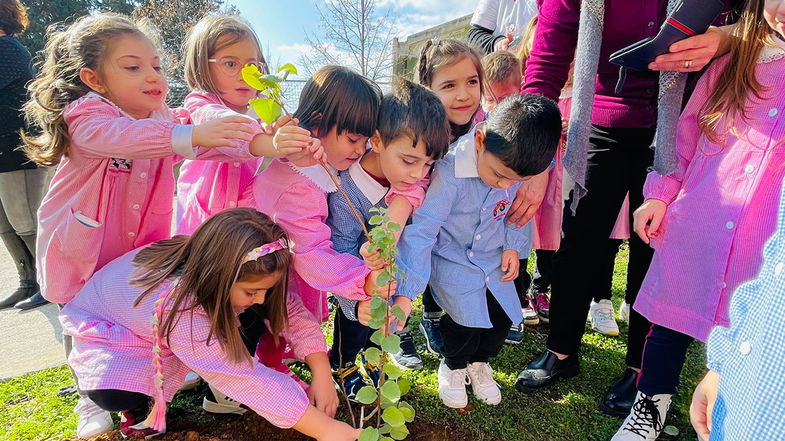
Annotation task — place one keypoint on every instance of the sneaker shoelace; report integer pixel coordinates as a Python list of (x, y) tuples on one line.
[(645, 417), (407, 344), (604, 316), (459, 376), (484, 375)]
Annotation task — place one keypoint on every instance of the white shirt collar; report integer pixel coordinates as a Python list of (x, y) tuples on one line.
[(772, 52), (466, 156), (316, 174), (369, 186)]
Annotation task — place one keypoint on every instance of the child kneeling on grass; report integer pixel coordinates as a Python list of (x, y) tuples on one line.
[(459, 240), (155, 313)]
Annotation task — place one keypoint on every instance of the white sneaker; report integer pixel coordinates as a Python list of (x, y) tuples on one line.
[(601, 316), (216, 402), (624, 312), (530, 317), (191, 381), (452, 386), (484, 386), (646, 419), (93, 420)]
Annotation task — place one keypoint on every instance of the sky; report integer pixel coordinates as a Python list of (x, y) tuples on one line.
[(282, 24)]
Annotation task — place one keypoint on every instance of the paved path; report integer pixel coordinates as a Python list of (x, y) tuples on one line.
[(29, 340)]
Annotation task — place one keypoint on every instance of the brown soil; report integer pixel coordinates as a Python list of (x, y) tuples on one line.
[(253, 428)]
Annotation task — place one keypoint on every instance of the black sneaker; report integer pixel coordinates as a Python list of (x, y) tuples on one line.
[(407, 357), (514, 335), (433, 339), (545, 370)]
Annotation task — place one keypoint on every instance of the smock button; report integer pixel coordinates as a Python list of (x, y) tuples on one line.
[(729, 225), (131, 234), (745, 348), (142, 175), (135, 206), (749, 169), (778, 268), (773, 112)]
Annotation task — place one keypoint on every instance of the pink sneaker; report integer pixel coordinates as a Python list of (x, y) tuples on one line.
[(542, 304)]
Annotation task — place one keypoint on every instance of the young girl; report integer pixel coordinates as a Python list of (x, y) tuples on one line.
[(709, 219), (453, 71), (216, 50), (100, 102), (156, 312)]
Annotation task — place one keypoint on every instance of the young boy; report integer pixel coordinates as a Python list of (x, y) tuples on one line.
[(459, 240), (503, 77), (412, 133)]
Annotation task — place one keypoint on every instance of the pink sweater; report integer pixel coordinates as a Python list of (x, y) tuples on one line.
[(113, 347), (207, 187), (722, 206)]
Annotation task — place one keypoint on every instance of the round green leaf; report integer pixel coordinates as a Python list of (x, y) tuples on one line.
[(369, 434), (398, 313), (377, 337), (391, 344), (386, 438), (375, 220), (288, 69), (375, 323), (251, 76), (407, 410), (378, 304), (373, 354), (399, 433), (367, 395), (268, 110), (404, 385), (385, 429), (390, 391), (393, 417), (392, 371)]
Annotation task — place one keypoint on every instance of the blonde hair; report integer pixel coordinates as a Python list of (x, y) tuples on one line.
[(527, 42), (84, 44), (737, 79), (500, 67), (211, 34), (207, 264)]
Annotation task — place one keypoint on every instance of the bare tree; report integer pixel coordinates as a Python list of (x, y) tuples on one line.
[(353, 34)]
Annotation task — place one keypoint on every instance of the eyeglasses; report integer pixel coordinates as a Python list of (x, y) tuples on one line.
[(232, 66)]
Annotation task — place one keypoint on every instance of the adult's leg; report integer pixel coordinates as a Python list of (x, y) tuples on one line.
[(544, 270), (602, 283)]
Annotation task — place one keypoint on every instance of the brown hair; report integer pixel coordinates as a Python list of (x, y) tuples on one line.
[(211, 34), (437, 54), (13, 17), (84, 44), (500, 67), (336, 96), (207, 264), (737, 79)]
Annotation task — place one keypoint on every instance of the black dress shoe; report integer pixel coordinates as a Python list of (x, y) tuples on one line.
[(545, 370), (33, 302), (621, 395), (23, 292)]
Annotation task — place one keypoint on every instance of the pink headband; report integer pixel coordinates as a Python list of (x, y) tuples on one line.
[(280, 244)]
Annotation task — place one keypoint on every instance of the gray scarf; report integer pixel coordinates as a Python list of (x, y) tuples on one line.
[(587, 58)]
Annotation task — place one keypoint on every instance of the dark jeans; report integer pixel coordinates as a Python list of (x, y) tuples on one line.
[(115, 400), (464, 345), (618, 161), (349, 338), (663, 358)]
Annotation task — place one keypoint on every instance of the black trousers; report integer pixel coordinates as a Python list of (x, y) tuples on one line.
[(524, 280), (663, 359), (464, 345), (618, 162), (115, 400), (349, 338), (543, 276)]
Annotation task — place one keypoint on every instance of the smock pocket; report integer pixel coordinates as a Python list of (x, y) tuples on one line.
[(81, 237)]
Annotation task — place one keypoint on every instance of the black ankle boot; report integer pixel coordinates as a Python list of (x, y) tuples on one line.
[(545, 370), (621, 395), (25, 267)]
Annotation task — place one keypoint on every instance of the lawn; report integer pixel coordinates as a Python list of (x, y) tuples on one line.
[(31, 409)]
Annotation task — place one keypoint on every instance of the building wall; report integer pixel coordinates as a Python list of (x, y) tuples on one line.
[(406, 52)]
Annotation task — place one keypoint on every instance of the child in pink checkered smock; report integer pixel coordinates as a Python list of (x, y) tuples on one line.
[(155, 313)]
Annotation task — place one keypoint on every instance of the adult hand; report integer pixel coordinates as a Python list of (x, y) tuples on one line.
[(693, 53), (528, 199), (703, 404), (502, 44), (647, 218)]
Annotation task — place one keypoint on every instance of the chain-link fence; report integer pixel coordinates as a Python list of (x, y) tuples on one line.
[(291, 93)]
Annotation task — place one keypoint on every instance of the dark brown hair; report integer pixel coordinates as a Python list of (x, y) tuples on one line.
[(13, 17), (207, 264)]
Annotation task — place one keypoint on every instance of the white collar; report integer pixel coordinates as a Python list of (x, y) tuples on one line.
[(772, 52), (369, 186), (316, 174), (466, 156)]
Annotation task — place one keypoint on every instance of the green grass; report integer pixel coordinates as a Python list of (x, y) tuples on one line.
[(31, 409)]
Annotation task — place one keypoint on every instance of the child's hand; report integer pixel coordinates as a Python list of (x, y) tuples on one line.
[(703, 403), (647, 218), (322, 394), (406, 304), (339, 431), (372, 260), (315, 149), (510, 265), (291, 139), (282, 121), (222, 132), (372, 288), (364, 311)]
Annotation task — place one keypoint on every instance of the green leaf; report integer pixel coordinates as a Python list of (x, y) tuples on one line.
[(398, 313), (270, 79), (386, 438), (390, 391), (367, 395), (375, 323), (377, 337), (399, 433), (251, 76), (393, 372), (379, 313), (404, 385), (392, 226), (393, 417), (378, 303), (385, 429), (373, 354), (287, 69), (375, 220), (391, 344), (407, 410), (369, 434), (383, 279), (268, 110)]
